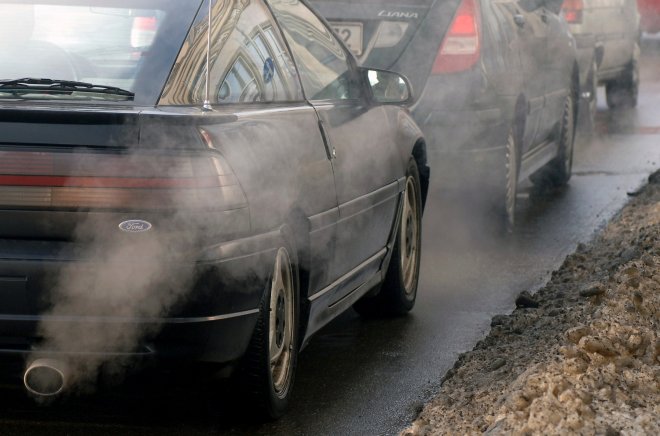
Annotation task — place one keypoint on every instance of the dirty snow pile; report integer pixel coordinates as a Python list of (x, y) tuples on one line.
[(580, 356)]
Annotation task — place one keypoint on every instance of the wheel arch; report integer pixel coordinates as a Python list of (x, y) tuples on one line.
[(419, 154), (295, 234)]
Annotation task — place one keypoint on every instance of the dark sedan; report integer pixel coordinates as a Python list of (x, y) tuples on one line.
[(195, 181), (497, 83)]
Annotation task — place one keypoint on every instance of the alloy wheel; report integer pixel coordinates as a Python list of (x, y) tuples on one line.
[(593, 98), (281, 323), (511, 182), (567, 136), (409, 236)]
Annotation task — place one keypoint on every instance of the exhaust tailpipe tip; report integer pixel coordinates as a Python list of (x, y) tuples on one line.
[(45, 377)]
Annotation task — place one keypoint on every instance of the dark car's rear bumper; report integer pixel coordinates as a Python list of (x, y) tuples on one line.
[(221, 338), (214, 323)]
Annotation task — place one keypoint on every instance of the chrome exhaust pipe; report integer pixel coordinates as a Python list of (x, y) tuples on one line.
[(46, 377)]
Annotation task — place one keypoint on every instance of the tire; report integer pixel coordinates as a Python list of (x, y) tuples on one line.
[(399, 289), (557, 172), (588, 118), (268, 368), (503, 201), (623, 92)]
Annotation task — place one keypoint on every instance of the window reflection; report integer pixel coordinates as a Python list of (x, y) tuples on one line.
[(249, 62), (321, 60)]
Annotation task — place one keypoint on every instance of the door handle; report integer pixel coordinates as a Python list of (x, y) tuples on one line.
[(519, 20)]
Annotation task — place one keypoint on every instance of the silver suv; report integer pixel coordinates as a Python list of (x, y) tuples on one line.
[(607, 33)]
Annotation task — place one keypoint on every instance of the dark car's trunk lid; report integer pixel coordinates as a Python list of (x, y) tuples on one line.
[(38, 147), (73, 174), (377, 31), (94, 200)]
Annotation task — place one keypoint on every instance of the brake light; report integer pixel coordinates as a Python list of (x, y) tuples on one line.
[(460, 49), (45, 179), (572, 10)]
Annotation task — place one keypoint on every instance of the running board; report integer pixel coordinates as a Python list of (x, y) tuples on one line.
[(537, 158)]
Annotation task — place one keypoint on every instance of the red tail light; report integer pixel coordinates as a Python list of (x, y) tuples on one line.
[(461, 47), (45, 179), (572, 10)]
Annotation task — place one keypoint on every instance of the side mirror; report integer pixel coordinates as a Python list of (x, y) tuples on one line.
[(388, 87)]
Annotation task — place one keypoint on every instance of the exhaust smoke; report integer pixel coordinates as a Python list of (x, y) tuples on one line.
[(95, 305), (125, 271)]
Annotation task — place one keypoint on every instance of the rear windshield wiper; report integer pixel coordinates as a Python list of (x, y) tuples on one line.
[(28, 84)]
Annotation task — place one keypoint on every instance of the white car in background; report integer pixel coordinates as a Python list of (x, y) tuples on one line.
[(607, 33)]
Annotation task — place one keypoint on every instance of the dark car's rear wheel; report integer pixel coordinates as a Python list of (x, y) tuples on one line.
[(399, 290), (267, 373), (623, 91)]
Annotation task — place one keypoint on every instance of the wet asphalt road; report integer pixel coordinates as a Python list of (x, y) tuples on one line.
[(371, 377)]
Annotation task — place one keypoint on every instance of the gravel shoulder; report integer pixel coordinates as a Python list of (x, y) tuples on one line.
[(580, 356)]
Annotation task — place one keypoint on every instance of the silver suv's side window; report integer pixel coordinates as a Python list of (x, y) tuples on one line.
[(322, 61), (249, 61)]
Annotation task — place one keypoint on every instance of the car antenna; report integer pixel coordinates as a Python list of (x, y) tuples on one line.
[(207, 101)]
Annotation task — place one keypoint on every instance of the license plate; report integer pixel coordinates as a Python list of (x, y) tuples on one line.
[(351, 34)]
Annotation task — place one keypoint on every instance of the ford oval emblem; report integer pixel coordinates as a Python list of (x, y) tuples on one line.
[(135, 226)]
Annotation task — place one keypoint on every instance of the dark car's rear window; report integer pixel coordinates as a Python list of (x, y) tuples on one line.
[(120, 43)]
